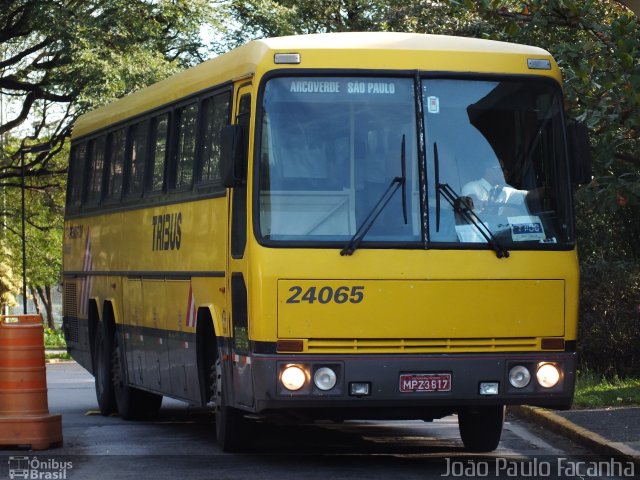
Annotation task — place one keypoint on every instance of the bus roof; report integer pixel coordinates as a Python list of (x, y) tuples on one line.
[(248, 59)]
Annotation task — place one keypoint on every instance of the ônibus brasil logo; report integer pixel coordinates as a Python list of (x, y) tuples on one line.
[(38, 468)]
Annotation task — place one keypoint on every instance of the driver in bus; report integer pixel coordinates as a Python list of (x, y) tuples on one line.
[(491, 193)]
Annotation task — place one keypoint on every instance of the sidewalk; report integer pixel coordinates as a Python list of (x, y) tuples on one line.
[(609, 431)]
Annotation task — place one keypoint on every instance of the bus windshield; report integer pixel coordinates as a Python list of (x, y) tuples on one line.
[(493, 168)]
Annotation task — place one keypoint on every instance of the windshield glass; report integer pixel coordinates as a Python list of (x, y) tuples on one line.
[(499, 147), (330, 148), (495, 170)]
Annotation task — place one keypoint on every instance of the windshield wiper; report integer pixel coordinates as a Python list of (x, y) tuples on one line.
[(462, 209), (380, 205), (467, 213), (403, 166)]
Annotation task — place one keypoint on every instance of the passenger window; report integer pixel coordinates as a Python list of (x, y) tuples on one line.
[(76, 177), (215, 116), (117, 145), (137, 155), (160, 130), (186, 145), (97, 166)]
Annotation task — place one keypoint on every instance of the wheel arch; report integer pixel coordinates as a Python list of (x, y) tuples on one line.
[(93, 319), (206, 350)]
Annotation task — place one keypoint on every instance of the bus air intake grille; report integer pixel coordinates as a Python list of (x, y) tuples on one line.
[(70, 300), (416, 345)]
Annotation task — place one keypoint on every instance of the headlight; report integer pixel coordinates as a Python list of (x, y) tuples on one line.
[(519, 376), (548, 375), (293, 377), (325, 378)]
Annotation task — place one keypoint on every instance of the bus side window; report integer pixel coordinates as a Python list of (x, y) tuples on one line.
[(159, 155), (186, 147), (117, 145), (76, 177), (215, 116), (244, 113), (96, 165), (139, 136)]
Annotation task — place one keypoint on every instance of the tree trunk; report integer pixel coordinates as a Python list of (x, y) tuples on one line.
[(49, 306), (36, 303), (45, 295)]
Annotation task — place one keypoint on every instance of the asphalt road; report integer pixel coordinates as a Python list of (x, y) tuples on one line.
[(180, 443)]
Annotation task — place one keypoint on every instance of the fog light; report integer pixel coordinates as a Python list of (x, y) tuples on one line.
[(325, 378), (489, 388), (359, 389), (293, 377), (548, 375), (519, 376)]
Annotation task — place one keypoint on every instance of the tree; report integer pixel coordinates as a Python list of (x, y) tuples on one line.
[(58, 59), (597, 45), (634, 5), (8, 279), (269, 18)]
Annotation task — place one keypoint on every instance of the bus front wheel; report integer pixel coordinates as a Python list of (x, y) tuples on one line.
[(481, 428), (231, 426)]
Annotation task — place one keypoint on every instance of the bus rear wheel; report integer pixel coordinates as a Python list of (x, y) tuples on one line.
[(481, 428), (231, 426), (132, 403), (102, 371)]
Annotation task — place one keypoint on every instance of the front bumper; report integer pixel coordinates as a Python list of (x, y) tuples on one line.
[(382, 373)]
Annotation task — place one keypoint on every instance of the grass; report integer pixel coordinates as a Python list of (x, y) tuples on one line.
[(57, 356), (55, 339), (594, 391)]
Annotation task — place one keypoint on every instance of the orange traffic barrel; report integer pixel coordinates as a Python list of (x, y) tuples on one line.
[(24, 408)]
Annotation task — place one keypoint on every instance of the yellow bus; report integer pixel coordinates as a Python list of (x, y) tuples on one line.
[(333, 226)]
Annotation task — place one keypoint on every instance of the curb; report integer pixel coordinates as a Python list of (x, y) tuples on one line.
[(54, 351), (581, 435)]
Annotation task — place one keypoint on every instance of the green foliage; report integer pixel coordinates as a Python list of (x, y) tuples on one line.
[(54, 338), (252, 19), (609, 332), (271, 18), (606, 235), (58, 60), (8, 280), (593, 391)]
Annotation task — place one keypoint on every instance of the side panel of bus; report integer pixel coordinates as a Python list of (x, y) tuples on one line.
[(148, 268)]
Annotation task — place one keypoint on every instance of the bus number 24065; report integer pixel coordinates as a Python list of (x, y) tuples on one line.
[(326, 294)]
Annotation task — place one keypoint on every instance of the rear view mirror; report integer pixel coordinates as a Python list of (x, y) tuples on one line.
[(233, 156), (579, 153)]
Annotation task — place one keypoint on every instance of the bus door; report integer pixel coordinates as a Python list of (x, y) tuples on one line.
[(240, 378)]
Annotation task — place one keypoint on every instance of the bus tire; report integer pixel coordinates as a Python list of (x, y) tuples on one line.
[(481, 428), (103, 373), (231, 426), (132, 403)]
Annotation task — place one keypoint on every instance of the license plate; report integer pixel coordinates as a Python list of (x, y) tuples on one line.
[(425, 382)]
